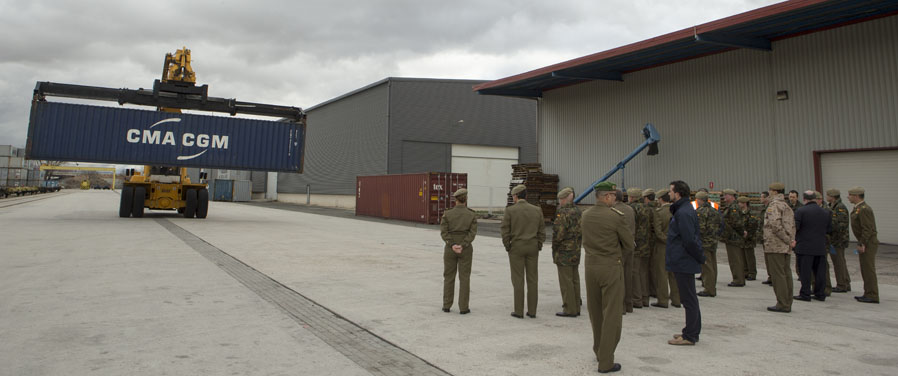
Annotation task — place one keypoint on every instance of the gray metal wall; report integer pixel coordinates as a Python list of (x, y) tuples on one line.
[(344, 139), (429, 110), (719, 118)]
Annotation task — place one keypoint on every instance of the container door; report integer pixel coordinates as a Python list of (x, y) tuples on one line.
[(224, 190)]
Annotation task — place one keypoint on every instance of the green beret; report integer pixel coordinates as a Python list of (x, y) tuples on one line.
[(460, 193), (518, 189), (702, 195), (729, 191), (777, 186), (647, 192), (743, 199), (567, 191), (856, 191), (817, 194), (634, 192), (605, 186), (833, 193)]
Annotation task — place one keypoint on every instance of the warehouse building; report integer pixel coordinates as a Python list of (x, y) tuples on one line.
[(802, 92), (412, 125)]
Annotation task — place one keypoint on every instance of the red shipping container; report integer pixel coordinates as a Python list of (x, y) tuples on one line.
[(410, 197)]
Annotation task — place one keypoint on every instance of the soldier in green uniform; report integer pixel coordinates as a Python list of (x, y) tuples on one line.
[(733, 235), (627, 255), (749, 234), (839, 239), (642, 254), (709, 227), (566, 242), (523, 236), (458, 229), (606, 235), (664, 280), (648, 199), (863, 225), (779, 234)]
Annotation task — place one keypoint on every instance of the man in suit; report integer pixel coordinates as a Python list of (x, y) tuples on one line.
[(812, 223), (523, 236)]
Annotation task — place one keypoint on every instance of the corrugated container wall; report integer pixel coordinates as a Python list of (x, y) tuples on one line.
[(719, 118), (411, 197), (243, 190), (345, 139), (82, 133)]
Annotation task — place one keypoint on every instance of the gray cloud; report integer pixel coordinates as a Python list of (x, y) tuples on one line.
[(304, 52)]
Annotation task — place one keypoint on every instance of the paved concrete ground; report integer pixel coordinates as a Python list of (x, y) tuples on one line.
[(85, 292)]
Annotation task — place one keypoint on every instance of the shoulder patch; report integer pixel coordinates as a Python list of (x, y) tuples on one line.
[(617, 211)]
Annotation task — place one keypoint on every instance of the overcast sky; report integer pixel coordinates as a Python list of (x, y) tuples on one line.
[(301, 53)]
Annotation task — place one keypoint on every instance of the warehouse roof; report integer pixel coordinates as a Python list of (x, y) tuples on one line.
[(754, 29), (386, 80)]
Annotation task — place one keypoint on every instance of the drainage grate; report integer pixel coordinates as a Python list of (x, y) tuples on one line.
[(371, 352)]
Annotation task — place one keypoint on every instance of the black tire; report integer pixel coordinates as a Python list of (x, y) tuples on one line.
[(202, 203), (140, 195), (125, 204), (190, 207)]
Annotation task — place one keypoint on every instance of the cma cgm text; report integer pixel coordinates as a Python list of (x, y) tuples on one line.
[(168, 138)]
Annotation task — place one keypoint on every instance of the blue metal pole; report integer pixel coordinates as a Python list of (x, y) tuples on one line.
[(652, 137)]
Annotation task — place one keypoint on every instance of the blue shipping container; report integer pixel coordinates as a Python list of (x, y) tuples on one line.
[(223, 190), (83, 133)]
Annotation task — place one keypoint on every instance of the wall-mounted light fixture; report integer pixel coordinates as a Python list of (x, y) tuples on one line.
[(782, 95)]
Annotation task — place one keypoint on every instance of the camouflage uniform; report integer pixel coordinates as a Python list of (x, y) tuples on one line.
[(734, 225), (627, 259), (709, 226), (779, 232), (642, 254), (839, 240), (567, 240), (665, 284)]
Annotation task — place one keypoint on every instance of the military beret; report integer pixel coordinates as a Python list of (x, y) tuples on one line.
[(605, 186), (567, 191), (518, 189), (647, 192), (743, 199), (833, 193), (634, 192), (856, 191), (729, 191), (701, 195), (777, 186), (460, 193), (817, 194)]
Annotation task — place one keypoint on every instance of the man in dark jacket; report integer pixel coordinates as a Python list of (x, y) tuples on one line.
[(812, 223), (684, 257)]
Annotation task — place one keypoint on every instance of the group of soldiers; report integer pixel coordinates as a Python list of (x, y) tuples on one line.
[(625, 250)]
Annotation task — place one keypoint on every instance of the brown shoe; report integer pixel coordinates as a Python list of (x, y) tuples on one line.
[(681, 342), (677, 336)]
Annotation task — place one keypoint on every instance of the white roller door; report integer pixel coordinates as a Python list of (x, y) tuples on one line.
[(489, 171), (876, 172)]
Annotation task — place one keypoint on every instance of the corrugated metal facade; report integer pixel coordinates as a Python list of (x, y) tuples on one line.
[(405, 125), (344, 139), (719, 118)]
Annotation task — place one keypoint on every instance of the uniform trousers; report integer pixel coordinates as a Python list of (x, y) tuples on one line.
[(659, 273), (750, 270), (686, 286), (604, 291), (840, 268), (736, 259), (642, 267), (627, 260), (524, 264), (781, 276), (460, 263), (569, 282), (709, 270), (868, 271)]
